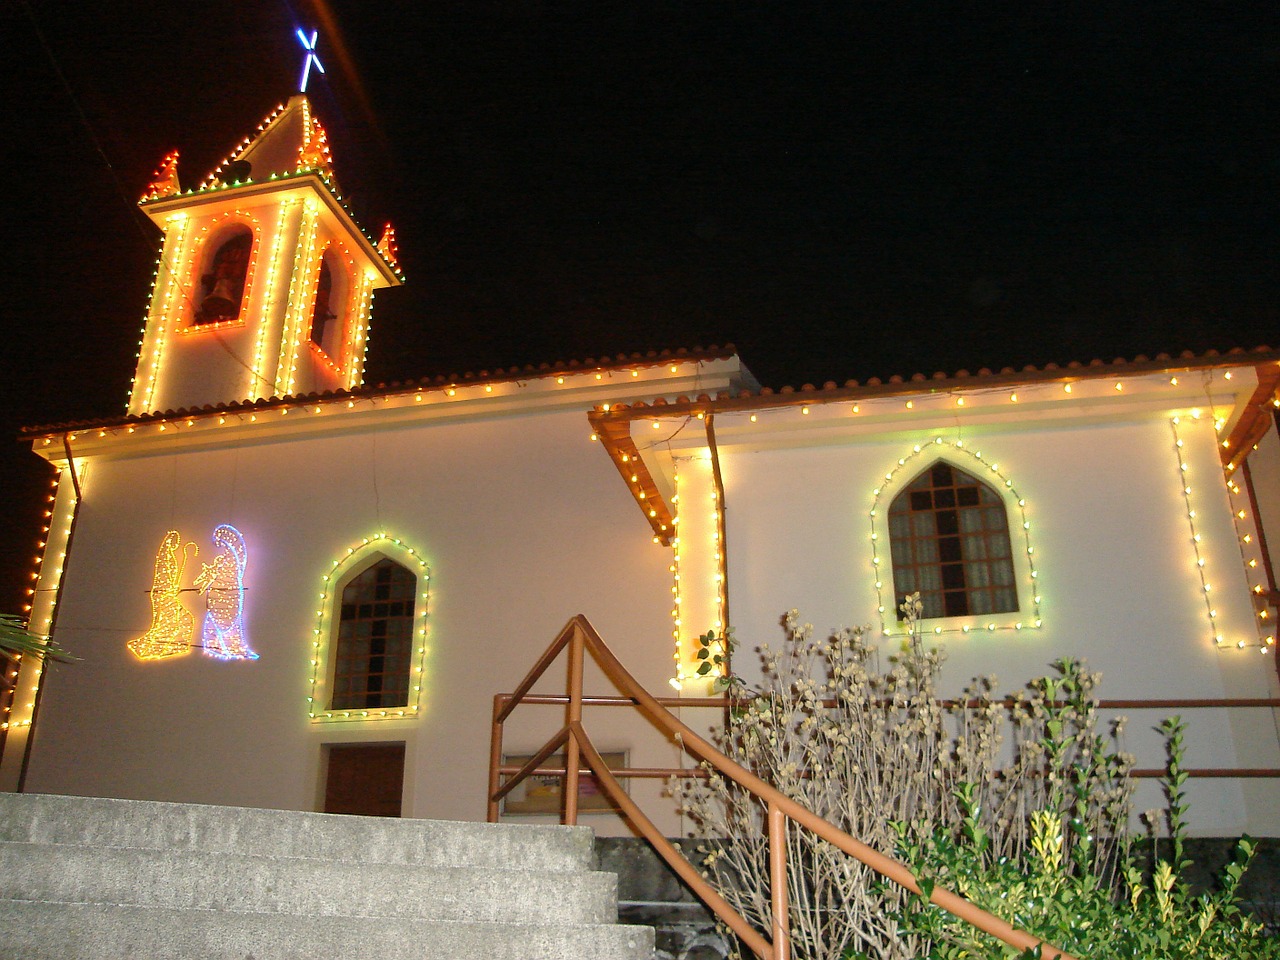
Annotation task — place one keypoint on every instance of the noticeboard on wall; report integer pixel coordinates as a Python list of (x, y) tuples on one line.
[(541, 795)]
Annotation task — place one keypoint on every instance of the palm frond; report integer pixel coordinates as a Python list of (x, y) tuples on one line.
[(16, 638)]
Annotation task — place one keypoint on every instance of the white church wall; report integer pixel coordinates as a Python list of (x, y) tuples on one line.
[(203, 368), (1116, 573), (523, 524)]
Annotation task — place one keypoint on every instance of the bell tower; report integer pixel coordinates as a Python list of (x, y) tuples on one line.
[(265, 282)]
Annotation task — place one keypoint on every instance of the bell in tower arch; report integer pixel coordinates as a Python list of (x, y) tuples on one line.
[(223, 284)]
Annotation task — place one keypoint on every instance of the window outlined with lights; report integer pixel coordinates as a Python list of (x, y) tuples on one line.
[(333, 308), (949, 542), (369, 646), (220, 281), (948, 523)]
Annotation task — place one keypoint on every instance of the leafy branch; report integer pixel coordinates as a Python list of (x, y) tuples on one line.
[(16, 638)]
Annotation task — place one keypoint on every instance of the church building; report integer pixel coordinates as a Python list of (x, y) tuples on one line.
[(291, 589)]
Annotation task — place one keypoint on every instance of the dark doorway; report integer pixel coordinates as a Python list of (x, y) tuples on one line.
[(364, 779)]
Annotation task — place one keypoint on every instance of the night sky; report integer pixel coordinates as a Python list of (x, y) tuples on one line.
[(842, 190)]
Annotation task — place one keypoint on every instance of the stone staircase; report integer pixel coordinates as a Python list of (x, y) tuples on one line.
[(93, 879)]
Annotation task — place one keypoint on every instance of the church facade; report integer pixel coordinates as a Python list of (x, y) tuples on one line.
[(293, 590)]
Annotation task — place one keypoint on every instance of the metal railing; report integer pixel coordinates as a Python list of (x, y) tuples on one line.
[(580, 638)]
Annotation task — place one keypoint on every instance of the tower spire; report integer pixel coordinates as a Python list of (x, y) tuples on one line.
[(164, 182)]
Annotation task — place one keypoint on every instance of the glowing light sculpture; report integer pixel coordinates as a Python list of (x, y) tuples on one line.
[(222, 582), (172, 625)]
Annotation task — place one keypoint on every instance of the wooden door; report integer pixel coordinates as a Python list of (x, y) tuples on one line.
[(364, 779)]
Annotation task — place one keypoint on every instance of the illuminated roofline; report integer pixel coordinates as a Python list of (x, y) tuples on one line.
[(312, 180), (574, 387), (919, 386)]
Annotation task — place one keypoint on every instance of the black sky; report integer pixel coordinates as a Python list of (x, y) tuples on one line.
[(843, 190)]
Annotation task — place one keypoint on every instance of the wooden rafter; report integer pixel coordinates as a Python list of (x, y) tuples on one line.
[(1256, 419), (615, 435)]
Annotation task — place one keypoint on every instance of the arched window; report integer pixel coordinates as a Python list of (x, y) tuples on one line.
[(332, 290), (369, 647), (375, 642), (222, 280), (949, 538)]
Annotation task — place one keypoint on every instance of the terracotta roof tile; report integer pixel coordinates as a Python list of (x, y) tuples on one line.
[(963, 377), (605, 363), (613, 425), (1006, 376)]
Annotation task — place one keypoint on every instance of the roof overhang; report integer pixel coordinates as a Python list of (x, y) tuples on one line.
[(308, 183), (574, 386), (1240, 390)]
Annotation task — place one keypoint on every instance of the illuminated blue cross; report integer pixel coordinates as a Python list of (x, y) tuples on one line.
[(309, 45)]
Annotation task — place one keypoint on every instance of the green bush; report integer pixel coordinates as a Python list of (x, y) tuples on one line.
[(15, 638), (1019, 804), (1155, 916)]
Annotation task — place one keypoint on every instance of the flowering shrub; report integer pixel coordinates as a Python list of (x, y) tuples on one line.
[(1020, 804)]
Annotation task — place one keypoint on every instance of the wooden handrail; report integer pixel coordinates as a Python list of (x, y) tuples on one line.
[(1167, 703), (697, 773), (534, 764), (548, 657), (674, 858), (581, 637)]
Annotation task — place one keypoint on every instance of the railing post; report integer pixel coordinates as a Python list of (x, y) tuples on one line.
[(778, 883), (495, 755), (572, 760)]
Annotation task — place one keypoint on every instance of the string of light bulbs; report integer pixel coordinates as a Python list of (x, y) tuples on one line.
[(324, 636), (1008, 494)]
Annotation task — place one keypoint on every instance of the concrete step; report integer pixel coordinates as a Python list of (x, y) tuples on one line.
[(70, 931), (297, 885), (92, 879), (92, 821)]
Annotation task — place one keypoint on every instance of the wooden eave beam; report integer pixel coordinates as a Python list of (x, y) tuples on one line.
[(1253, 424), (615, 436)]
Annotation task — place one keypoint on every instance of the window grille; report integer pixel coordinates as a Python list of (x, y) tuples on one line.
[(375, 638), (949, 537)]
